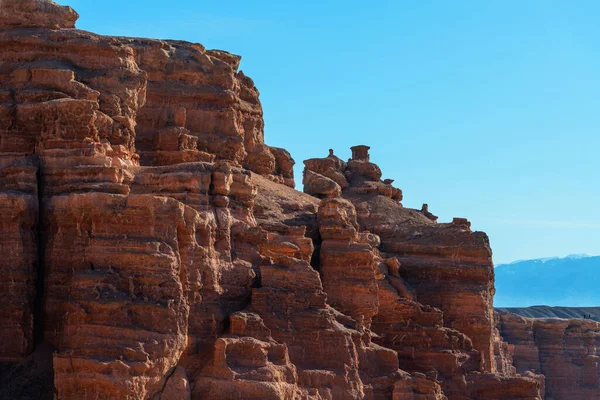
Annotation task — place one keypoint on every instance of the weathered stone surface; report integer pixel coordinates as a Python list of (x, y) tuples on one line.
[(418, 387), (425, 211), (248, 363), (329, 167), (565, 351), (498, 387), (19, 212), (433, 282), (349, 264), (153, 247), (36, 13), (203, 93), (319, 185), (177, 387), (18, 263), (115, 266)]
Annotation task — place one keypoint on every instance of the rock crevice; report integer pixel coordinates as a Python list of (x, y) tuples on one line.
[(174, 259)]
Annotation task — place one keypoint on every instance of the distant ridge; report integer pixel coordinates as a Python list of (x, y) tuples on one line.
[(592, 313), (544, 259), (572, 281)]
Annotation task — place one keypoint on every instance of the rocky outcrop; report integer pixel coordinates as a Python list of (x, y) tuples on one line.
[(36, 14), (114, 266), (153, 246), (248, 363), (564, 350), (425, 289), (200, 107)]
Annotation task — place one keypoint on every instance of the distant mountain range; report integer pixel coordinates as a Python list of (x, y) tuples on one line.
[(592, 313), (572, 281)]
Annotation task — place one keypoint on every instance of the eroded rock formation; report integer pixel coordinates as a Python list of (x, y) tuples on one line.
[(153, 246), (564, 350), (425, 289)]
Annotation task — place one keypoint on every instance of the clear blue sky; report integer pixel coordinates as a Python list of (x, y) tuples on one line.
[(483, 109)]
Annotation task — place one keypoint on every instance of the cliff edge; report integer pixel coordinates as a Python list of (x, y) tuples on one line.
[(153, 246)]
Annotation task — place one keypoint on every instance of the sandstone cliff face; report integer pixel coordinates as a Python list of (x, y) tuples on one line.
[(153, 246), (432, 297), (565, 351), (19, 249)]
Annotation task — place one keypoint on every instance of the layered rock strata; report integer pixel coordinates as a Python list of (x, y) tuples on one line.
[(433, 282), (564, 350), (153, 246)]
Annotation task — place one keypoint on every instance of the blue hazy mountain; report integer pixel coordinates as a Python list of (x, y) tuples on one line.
[(572, 281), (592, 313)]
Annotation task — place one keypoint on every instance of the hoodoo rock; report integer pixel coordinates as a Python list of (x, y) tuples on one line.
[(154, 247)]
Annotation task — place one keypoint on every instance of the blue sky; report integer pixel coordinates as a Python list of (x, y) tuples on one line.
[(483, 109)]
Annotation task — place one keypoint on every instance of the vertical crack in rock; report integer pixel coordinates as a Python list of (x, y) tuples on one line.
[(176, 261), (431, 284), (40, 278)]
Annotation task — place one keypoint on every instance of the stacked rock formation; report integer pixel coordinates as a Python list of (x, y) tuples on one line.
[(153, 246), (429, 297)]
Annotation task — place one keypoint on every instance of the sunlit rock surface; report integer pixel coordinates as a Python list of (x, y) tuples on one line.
[(154, 247), (564, 350)]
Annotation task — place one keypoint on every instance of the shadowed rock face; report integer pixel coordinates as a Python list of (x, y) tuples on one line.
[(153, 246)]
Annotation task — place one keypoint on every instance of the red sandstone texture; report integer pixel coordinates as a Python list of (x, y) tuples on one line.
[(153, 246), (427, 292), (564, 350)]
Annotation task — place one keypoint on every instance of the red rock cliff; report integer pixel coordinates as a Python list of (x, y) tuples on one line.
[(434, 282), (153, 246), (564, 350)]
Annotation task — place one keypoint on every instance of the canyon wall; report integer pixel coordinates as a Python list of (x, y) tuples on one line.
[(434, 282), (154, 247), (565, 351)]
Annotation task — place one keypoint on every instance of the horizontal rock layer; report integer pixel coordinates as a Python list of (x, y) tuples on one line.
[(564, 350), (153, 246)]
